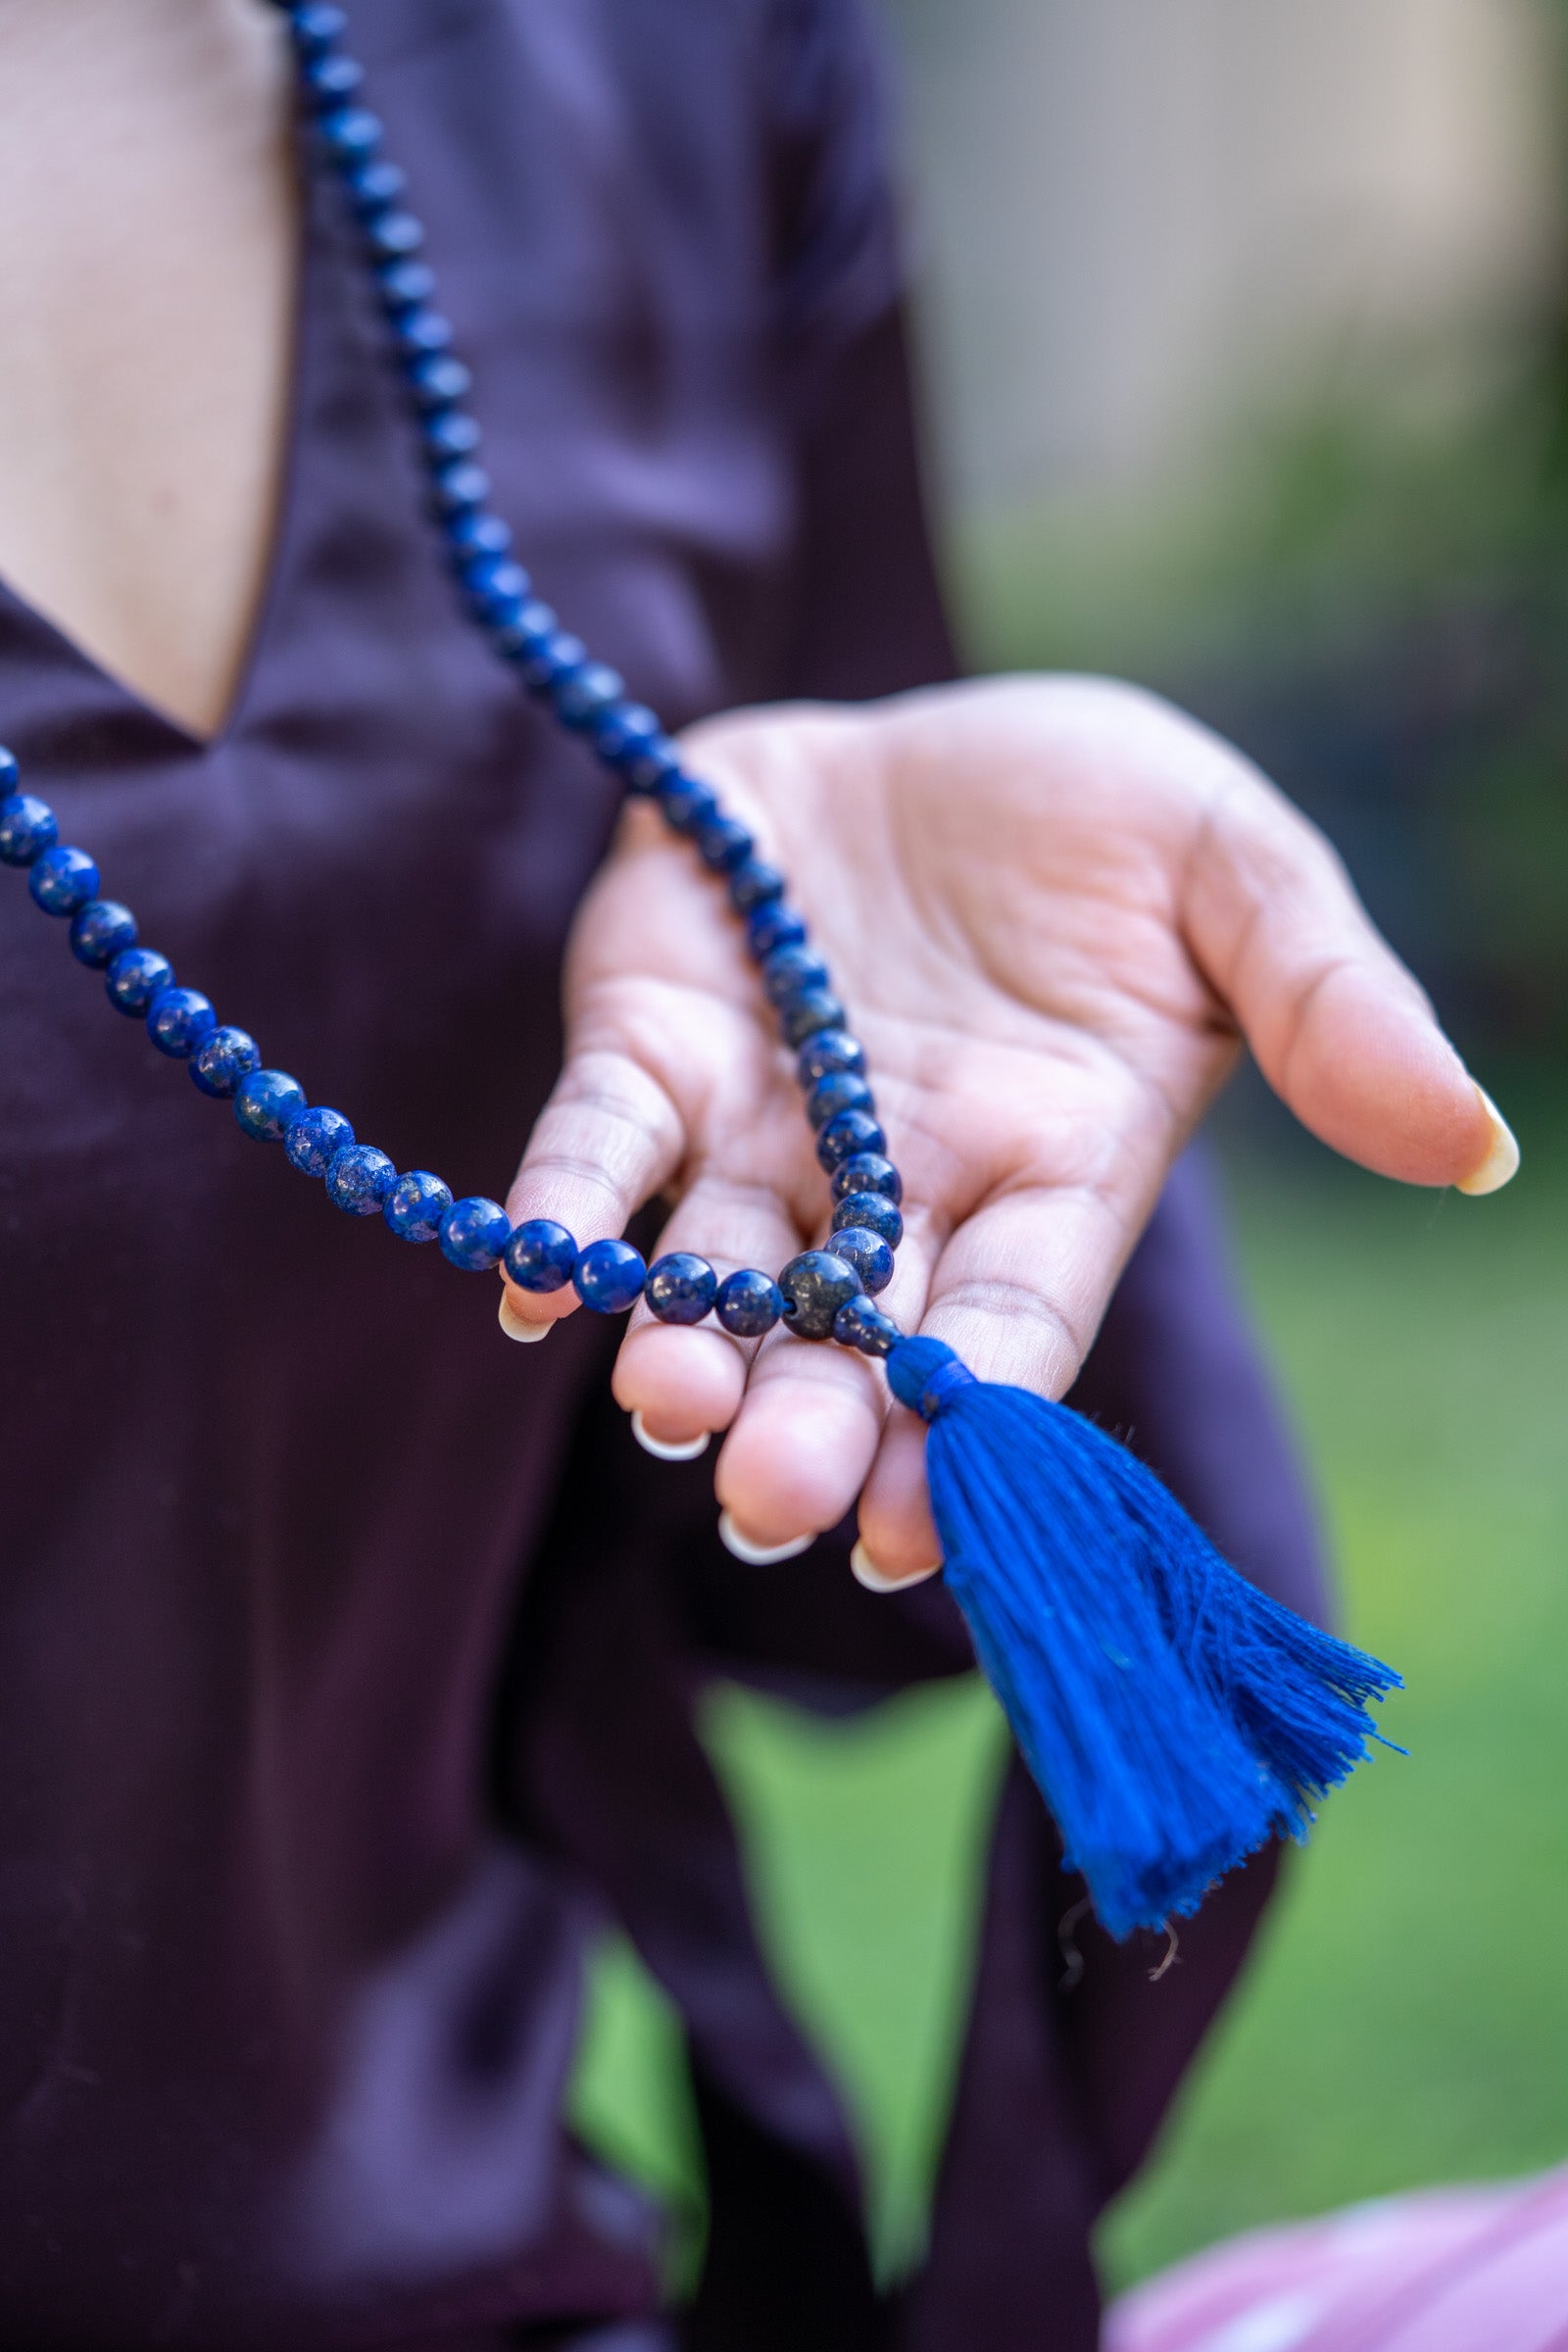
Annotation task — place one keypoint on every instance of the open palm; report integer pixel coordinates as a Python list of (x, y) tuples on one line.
[(1053, 907)]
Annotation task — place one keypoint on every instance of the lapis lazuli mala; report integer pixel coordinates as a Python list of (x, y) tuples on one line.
[(821, 1293), (1174, 1717)]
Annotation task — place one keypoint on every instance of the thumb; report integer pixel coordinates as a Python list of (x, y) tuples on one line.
[(608, 1138)]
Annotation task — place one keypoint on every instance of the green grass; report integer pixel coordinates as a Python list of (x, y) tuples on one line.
[(1404, 2020)]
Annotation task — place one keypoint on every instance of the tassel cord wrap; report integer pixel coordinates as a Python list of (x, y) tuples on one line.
[(1174, 1717)]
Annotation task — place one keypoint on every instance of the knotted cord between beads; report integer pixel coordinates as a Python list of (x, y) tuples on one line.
[(820, 1294)]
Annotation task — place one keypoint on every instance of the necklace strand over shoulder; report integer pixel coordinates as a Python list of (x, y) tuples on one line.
[(1174, 1717)]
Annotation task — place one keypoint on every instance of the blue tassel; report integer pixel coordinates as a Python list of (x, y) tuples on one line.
[(1174, 1717)]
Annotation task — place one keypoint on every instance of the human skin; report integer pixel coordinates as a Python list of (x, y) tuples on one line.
[(1053, 906)]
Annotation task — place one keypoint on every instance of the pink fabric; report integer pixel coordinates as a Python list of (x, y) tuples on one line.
[(1461, 2270)]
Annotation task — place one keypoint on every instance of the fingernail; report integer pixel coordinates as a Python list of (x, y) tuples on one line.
[(876, 1579), (668, 1449), (758, 1556), (516, 1328), (1502, 1154)]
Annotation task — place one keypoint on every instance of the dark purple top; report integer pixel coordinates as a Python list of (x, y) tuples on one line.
[(347, 1654)]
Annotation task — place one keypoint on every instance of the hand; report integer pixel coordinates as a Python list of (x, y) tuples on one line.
[(1053, 909)]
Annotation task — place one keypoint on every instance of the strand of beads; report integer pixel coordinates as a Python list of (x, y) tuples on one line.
[(820, 1294)]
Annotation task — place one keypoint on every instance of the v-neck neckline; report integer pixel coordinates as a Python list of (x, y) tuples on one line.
[(281, 542)]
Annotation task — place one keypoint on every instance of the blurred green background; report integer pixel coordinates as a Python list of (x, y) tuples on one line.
[(1354, 560)]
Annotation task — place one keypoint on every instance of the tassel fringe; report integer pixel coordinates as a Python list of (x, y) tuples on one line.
[(1174, 1717)]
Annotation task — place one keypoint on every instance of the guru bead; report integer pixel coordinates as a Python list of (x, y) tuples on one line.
[(863, 1326), (416, 1205), (609, 1276), (540, 1256), (680, 1288), (815, 1284), (473, 1234)]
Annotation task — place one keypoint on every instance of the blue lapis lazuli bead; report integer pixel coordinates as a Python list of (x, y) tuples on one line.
[(680, 1288), (609, 1276), (28, 827), (627, 732), (867, 1172), (416, 1205), (314, 1139), (774, 924), (840, 1090), (749, 1303), (851, 1133), (405, 285), (477, 533), (540, 1256), (474, 1233), (863, 1326), (867, 1251), (359, 1179), (396, 235), (788, 973), (449, 433), (330, 79), (830, 1049), (315, 26), (497, 588), (352, 133), (462, 484), (560, 658), (722, 843), (99, 931), (436, 382), (62, 878), (804, 1016), (179, 1020), (222, 1062), (685, 802), (265, 1103), (419, 332), (582, 696), (751, 883), (874, 1211), (372, 187), (527, 633), (134, 977), (8, 771)]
